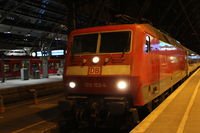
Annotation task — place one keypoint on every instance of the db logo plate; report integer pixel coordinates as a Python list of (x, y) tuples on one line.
[(94, 70)]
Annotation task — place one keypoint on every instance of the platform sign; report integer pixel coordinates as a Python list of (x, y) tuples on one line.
[(39, 53), (57, 52)]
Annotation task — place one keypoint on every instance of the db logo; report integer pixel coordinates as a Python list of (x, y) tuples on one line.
[(94, 70)]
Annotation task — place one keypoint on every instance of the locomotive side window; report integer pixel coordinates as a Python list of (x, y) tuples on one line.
[(147, 44), (115, 42), (85, 44)]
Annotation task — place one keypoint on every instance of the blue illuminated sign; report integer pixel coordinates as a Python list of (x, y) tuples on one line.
[(39, 53), (57, 52)]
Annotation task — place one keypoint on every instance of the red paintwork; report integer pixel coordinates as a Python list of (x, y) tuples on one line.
[(13, 60), (146, 68)]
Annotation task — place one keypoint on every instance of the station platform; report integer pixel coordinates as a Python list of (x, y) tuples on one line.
[(179, 113), (17, 90), (18, 82), (32, 118)]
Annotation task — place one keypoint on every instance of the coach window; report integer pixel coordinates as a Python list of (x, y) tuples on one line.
[(16, 68), (147, 44), (57, 65), (51, 65), (6, 68)]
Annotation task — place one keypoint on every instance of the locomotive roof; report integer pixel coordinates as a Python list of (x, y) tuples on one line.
[(146, 27)]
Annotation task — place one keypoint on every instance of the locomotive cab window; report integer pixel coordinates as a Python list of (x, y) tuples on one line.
[(106, 42), (85, 44), (113, 42), (147, 44)]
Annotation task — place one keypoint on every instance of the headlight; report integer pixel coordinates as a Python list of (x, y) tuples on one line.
[(72, 84), (95, 59), (122, 85)]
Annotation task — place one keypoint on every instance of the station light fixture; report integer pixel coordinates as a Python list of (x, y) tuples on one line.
[(7, 32), (33, 54)]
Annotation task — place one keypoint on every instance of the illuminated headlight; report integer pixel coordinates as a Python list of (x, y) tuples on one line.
[(122, 85), (95, 59), (72, 84)]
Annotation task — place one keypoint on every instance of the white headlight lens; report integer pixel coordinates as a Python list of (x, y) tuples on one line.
[(95, 59), (122, 85), (72, 84)]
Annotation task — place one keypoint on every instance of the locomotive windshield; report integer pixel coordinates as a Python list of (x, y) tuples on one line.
[(115, 42), (85, 44), (109, 42)]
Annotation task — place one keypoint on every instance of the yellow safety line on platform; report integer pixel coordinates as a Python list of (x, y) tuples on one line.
[(27, 127), (144, 125), (30, 102), (187, 112)]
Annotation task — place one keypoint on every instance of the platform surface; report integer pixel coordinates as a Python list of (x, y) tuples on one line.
[(29, 117), (19, 82), (179, 113)]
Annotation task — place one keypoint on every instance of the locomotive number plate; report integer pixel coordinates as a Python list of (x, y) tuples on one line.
[(96, 85), (94, 70)]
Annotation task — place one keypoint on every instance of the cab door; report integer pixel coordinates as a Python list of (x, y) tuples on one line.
[(152, 49)]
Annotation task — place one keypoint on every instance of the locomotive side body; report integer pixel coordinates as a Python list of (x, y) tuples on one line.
[(161, 65)]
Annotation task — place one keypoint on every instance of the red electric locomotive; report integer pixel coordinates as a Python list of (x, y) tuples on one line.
[(115, 70)]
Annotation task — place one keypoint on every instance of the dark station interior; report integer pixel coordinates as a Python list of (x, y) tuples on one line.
[(37, 71)]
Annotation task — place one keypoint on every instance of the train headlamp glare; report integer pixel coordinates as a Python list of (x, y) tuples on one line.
[(72, 84), (95, 59), (122, 85)]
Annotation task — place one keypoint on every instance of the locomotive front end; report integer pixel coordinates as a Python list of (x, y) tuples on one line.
[(97, 73)]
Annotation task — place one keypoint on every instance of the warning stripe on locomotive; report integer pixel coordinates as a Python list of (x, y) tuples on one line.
[(104, 70)]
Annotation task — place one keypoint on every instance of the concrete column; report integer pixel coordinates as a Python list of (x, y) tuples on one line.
[(45, 66), (2, 69)]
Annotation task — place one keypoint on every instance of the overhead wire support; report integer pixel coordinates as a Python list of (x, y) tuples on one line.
[(188, 19), (10, 11)]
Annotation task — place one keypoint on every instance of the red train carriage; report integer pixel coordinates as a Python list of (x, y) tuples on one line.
[(193, 60), (11, 68), (113, 70), (13, 65), (54, 65)]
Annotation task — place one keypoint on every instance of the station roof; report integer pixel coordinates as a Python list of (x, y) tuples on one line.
[(31, 23)]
